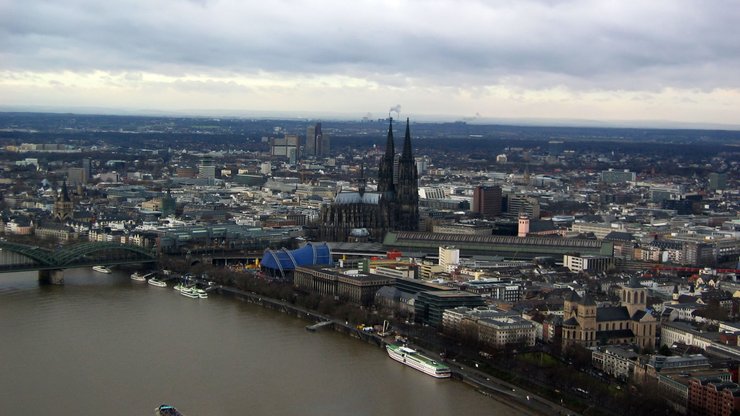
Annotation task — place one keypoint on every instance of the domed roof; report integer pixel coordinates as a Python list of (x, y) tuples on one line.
[(284, 259)]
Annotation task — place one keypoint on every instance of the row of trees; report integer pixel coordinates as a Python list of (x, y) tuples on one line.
[(276, 289), (554, 374)]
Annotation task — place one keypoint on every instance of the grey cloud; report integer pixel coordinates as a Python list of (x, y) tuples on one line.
[(533, 44)]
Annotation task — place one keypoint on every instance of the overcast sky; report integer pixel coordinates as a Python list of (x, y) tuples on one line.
[(550, 59)]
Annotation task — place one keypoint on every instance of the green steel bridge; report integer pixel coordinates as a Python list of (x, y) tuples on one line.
[(16, 257)]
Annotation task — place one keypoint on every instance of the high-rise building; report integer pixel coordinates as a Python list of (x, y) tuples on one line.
[(517, 204), (266, 168), (325, 144), (717, 181), (288, 146), (317, 143), (422, 163), (310, 149), (617, 176), (449, 258), (77, 176), (487, 201), (555, 147), (206, 168), (168, 205), (87, 166)]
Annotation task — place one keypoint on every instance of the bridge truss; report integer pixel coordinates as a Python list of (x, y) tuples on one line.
[(20, 257)]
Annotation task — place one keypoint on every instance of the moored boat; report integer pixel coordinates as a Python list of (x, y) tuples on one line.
[(101, 269), (138, 277), (156, 282), (421, 362), (200, 292), (188, 292), (166, 410)]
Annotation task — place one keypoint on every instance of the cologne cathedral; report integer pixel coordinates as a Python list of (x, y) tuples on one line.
[(367, 216)]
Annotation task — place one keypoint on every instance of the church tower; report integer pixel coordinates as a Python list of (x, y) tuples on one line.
[(675, 295), (634, 296), (385, 170), (395, 205), (407, 192), (587, 320), (63, 207)]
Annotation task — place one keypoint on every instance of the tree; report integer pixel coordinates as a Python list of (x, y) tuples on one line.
[(579, 355), (665, 350)]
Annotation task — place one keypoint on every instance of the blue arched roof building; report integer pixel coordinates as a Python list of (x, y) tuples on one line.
[(282, 262)]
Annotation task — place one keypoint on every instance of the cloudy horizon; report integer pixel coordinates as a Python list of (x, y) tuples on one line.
[(669, 61)]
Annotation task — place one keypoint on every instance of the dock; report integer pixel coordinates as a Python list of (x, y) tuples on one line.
[(315, 327)]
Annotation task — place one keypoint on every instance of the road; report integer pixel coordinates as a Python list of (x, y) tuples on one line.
[(514, 396)]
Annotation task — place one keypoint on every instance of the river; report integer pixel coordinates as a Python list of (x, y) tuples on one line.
[(106, 345)]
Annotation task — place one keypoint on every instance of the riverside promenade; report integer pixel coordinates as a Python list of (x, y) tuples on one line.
[(521, 401)]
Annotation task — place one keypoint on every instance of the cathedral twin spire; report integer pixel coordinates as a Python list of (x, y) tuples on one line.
[(385, 171), (406, 155), (404, 195)]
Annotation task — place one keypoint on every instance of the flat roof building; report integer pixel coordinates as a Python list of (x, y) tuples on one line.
[(344, 284), (430, 305)]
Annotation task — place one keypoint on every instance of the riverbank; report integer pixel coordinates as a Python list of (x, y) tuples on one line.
[(103, 344), (522, 401)]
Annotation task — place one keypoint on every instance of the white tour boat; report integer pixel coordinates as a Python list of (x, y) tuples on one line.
[(138, 277), (156, 282), (414, 359), (101, 269), (189, 293)]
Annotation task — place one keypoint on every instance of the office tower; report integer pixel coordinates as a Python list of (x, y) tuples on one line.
[(717, 181), (617, 176), (555, 147), (266, 168), (287, 146), (317, 142), (77, 176), (87, 166), (325, 143), (310, 149), (517, 204), (449, 258), (487, 201), (206, 168)]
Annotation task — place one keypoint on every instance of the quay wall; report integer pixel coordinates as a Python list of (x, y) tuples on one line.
[(302, 313)]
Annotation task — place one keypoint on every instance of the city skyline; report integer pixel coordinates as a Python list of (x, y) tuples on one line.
[(662, 63)]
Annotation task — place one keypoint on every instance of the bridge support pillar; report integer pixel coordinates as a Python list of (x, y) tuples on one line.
[(51, 277)]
